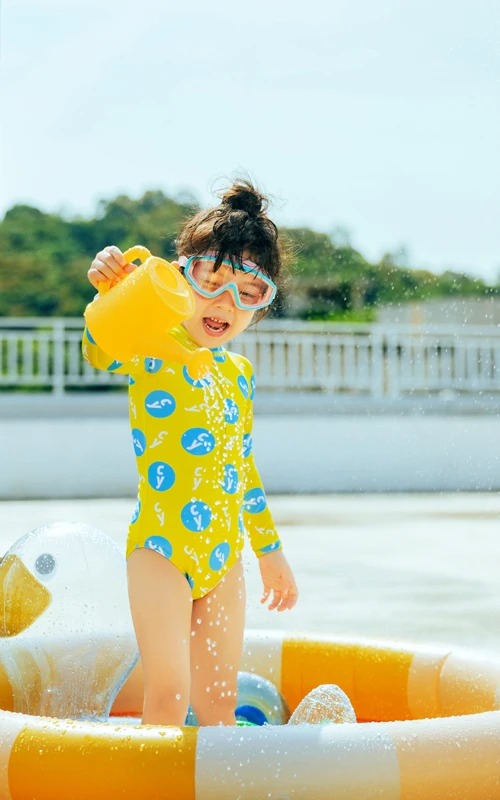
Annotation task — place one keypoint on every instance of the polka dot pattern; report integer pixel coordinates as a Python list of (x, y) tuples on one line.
[(136, 512), (160, 544), (139, 441), (161, 476), (247, 444), (199, 491), (198, 441), (153, 365), (160, 404), (243, 384), (230, 482), (198, 384), (231, 411), (254, 501), (219, 556), (196, 516)]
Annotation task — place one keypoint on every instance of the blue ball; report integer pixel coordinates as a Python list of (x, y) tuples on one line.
[(258, 702)]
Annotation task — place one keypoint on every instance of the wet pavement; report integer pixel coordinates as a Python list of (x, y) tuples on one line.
[(422, 568)]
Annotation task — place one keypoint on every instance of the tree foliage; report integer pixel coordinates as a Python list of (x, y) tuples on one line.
[(44, 260)]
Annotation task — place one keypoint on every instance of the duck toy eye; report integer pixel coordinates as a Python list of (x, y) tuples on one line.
[(45, 565)]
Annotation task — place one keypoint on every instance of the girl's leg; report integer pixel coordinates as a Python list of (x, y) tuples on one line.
[(218, 623), (161, 605)]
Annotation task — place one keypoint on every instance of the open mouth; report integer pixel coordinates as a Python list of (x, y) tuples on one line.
[(214, 326)]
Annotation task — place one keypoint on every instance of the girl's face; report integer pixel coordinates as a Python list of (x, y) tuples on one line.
[(218, 319)]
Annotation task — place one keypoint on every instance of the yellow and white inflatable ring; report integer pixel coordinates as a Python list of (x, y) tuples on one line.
[(428, 729)]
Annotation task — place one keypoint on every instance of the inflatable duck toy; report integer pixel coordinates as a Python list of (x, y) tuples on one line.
[(67, 642)]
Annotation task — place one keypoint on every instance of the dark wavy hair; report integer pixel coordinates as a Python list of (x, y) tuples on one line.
[(238, 225)]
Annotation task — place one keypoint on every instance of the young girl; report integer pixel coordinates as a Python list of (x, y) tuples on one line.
[(199, 489)]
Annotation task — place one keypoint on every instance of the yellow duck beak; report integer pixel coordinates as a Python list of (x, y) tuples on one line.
[(23, 599)]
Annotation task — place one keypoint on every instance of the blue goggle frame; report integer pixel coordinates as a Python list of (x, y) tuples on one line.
[(231, 285)]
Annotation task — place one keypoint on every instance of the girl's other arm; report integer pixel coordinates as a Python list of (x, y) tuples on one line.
[(277, 577), (259, 523)]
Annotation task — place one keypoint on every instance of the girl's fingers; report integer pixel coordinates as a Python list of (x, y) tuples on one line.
[(95, 276), (284, 602), (102, 269), (276, 600), (265, 595), (117, 255), (292, 597), (109, 260), (289, 598)]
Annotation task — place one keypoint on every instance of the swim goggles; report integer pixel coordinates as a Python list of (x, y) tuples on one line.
[(250, 287)]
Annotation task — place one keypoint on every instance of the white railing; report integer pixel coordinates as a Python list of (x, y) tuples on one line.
[(373, 360)]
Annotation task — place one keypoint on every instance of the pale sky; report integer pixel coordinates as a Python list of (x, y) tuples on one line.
[(382, 116)]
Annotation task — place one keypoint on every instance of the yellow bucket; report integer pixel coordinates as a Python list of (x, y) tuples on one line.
[(135, 317)]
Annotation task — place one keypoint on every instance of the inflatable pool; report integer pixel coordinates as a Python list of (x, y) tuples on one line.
[(428, 729)]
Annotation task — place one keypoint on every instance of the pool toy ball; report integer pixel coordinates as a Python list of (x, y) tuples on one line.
[(258, 703)]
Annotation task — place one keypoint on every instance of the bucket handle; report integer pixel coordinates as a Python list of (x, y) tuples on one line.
[(133, 253)]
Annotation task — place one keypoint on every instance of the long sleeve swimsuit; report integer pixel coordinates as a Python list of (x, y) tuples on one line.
[(199, 488)]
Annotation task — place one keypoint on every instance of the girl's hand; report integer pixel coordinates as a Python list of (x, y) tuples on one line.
[(277, 577), (110, 266)]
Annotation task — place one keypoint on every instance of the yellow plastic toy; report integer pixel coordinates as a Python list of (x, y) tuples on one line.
[(134, 319)]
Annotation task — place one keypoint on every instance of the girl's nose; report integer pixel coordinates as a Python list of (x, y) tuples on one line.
[(226, 299)]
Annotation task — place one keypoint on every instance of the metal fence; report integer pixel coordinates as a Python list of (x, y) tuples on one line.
[(371, 360)]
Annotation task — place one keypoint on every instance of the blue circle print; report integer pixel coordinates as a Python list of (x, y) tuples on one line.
[(198, 384), (130, 380), (219, 354), (161, 476), (160, 404), (254, 501), (219, 556), (114, 365), (198, 441), (152, 364), (90, 337), (230, 482), (247, 444), (189, 580), (270, 547), (139, 441), (243, 384), (196, 516), (160, 544), (252, 387), (136, 512), (231, 411)]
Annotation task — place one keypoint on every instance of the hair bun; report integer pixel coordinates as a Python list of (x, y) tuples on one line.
[(243, 197)]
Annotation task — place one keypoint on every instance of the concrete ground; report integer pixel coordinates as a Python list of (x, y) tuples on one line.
[(419, 568)]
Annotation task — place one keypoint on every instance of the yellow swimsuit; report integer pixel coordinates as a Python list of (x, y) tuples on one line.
[(199, 489)]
